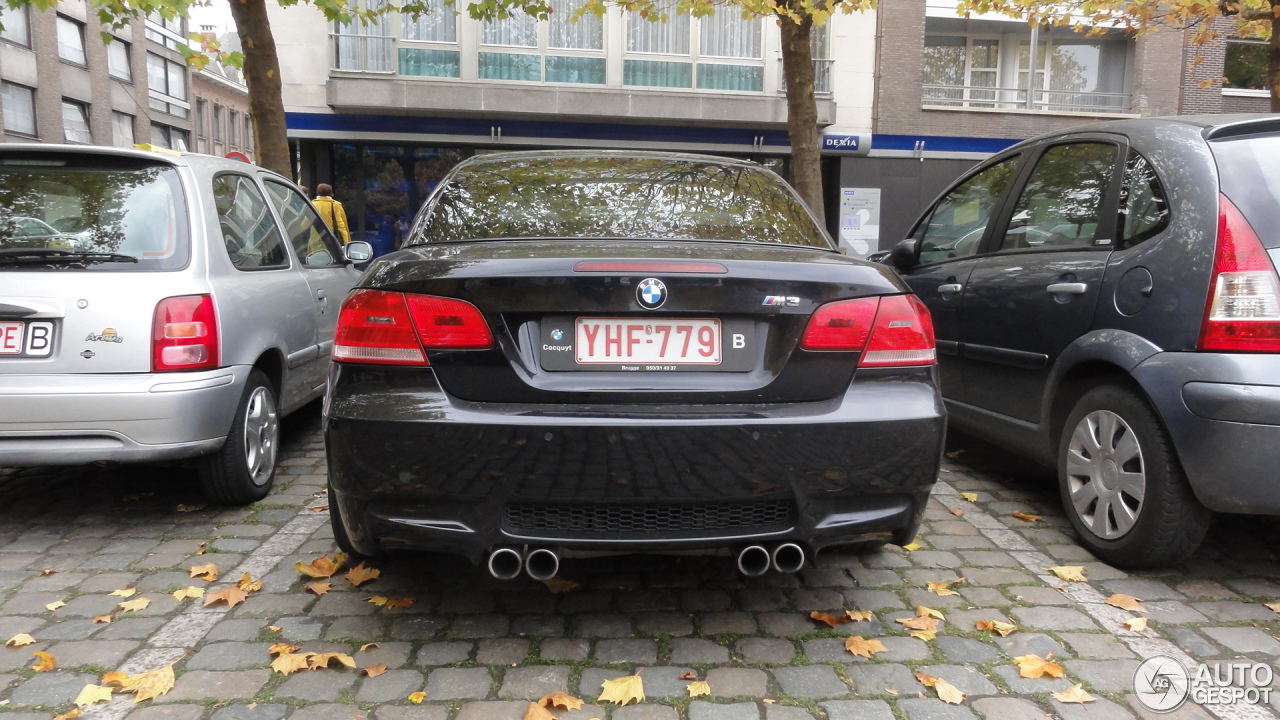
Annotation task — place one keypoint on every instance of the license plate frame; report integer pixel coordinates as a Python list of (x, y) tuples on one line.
[(557, 350), (26, 339)]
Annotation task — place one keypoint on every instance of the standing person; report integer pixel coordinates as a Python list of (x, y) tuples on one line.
[(331, 212)]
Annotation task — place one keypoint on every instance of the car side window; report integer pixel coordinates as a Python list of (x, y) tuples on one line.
[(1061, 203), (1144, 213), (959, 220), (312, 240), (252, 239)]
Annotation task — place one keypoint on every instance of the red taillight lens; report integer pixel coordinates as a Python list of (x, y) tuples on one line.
[(890, 331), (1242, 313), (448, 324), (184, 334), (374, 327), (841, 325), (903, 334)]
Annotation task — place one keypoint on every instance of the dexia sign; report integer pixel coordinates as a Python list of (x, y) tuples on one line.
[(836, 142)]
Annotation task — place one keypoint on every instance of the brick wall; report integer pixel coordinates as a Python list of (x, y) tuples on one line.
[(1204, 64)]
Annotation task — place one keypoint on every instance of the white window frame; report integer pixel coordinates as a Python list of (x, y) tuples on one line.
[(63, 22), (8, 112), (543, 50), (116, 116), (9, 16), (83, 107), (128, 66), (695, 57)]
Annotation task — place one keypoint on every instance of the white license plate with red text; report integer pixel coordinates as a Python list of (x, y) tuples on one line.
[(687, 341), (34, 339)]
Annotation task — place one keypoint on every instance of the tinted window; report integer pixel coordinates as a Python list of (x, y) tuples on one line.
[(1143, 210), (311, 238), (249, 232), (960, 219), (1249, 171), (1060, 204), (84, 203), (607, 197)]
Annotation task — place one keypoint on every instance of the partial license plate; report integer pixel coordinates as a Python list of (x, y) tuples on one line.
[(19, 338), (683, 341)]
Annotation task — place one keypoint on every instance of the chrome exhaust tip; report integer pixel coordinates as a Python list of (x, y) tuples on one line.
[(542, 564), (505, 563), (788, 558), (753, 561)]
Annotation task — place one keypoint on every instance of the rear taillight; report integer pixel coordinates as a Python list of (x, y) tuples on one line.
[(889, 331), (374, 327), (391, 328), (1242, 313), (184, 334)]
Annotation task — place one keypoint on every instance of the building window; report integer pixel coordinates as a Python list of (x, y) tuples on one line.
[(170, 33), (19, 109), (729, 57), (517, 48), (429, 42), (118, 60), (75, 122), (70, 40), (364, 48), (169, 137), (16, 27), (248, 133), (217, 123), (1245, 67), (202, 111), (233, 128), (167, 85), (122, 129)]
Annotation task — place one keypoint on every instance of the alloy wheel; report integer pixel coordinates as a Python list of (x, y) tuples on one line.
[(261, 433), (1106, 478)]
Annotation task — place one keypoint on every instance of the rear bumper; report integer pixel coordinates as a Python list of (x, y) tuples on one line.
[(1223, 412), (71, 419), (416, 469)]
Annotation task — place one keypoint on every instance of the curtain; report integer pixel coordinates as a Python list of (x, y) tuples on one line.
[(434, 63), (731, 77), (519, 30), (655, 73), (439, 24), (510, 66), (585, 34), (726, 34), (575, 69), (669, 38)]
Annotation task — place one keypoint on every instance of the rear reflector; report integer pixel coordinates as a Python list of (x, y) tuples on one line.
[(184, 334), (448, 324), (649, 266), (889, 331), (374, 327), (1242, 313)]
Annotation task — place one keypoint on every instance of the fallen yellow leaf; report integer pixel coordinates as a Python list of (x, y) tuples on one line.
[(1070, 573), (1028, 517), (1003, 628), (829, 619), (698, 688), (102, 619), (289, 663), (943, 588), (54, 605), (955, 511), (367, 646), (1275, 606), (275, 628), (75, 713), (911, 547), (134, 605), (322, 660), (1126, 602), (118, 679), (360, 575), (190, 591), (862, 647), (417, 698), (319, 588), (91, 694), (622, 690), (319, 568), (924, 628), (248, 584), (232, 596), (970, 496), (20, 640), (560, 701), (400, 603), (858, 615), (151, 685), (559, 585), (282, 648), (922, 611), (377, 600), (318, 508), (1034, 666), (1137, 624), (947, 692), (534, 711), (689, 676), (208, 572), (44, 662), (1073, 694), (47, 572), (125, 592), (374, 671)]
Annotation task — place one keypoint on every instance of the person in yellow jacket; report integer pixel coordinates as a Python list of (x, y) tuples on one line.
[(331, 212)]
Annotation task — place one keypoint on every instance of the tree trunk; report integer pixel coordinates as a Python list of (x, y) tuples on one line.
[(802, 112), (262, 77), (1273, 58)]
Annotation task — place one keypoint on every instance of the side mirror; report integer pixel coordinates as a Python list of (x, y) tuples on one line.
[(358, 251), (905, 255)]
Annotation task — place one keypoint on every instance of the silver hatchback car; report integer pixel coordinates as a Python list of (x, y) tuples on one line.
[(157, 306)]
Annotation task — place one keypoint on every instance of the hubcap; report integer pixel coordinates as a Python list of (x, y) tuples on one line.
[(261, 428), (1106, 478)]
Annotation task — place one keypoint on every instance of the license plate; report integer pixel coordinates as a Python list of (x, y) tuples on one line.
[(26, 339), (678, 341)]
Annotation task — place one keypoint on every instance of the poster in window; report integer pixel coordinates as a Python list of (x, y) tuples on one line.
[(860, 220)]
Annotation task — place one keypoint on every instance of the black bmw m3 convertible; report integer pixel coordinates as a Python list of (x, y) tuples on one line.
[(627, 352)]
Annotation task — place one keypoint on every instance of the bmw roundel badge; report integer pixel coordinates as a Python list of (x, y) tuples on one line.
[(557, 334), (651, 293)]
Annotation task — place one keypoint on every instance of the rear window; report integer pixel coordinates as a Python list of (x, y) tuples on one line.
[(634, 198), (1249, 168), (91, 204)]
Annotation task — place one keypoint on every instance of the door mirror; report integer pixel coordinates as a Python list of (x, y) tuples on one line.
[(358, 251), (905, 255)]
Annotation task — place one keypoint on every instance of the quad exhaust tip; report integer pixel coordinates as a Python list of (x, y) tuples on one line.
[(542, 564), (753, 561), (505, 563), (788, 558)]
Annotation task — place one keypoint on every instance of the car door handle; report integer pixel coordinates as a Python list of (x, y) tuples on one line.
[(950, 288), (320, 295), (1068, 288)]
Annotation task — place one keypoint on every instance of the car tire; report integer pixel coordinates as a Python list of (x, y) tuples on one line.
[(1122, 485), (340, 536), (243, 470)]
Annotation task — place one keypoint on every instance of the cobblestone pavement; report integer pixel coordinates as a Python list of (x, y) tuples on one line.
[(481, 649)]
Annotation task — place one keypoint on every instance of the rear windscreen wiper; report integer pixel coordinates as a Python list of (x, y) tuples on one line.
[(36, 256)]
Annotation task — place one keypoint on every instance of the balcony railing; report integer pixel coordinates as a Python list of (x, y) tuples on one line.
[(364, 53), (1049, 101), (821, 76)]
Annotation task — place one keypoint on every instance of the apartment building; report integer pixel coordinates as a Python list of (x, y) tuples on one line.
[(61, 83), (1227, 74), (222, 124)]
